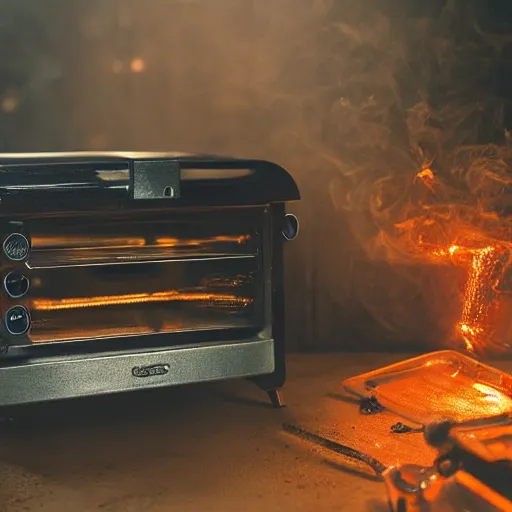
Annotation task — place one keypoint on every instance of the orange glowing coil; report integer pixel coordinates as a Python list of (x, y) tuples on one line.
[(137, 298)]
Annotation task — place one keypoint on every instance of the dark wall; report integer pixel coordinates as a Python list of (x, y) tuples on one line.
[(322, 87)]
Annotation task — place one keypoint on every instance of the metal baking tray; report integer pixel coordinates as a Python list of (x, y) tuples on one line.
[(440, 385)]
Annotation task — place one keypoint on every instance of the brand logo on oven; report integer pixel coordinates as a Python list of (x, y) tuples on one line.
[(150, 371)]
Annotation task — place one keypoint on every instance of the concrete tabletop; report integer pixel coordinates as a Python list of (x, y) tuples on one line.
[(209, 447)]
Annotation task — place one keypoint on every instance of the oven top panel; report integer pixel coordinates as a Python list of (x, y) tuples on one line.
[(49, 183)]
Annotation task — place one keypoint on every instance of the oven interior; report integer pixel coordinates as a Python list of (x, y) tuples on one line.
[(101, 276)]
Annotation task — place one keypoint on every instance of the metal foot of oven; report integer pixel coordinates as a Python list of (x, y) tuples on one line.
[(275, 398), (272, 383)]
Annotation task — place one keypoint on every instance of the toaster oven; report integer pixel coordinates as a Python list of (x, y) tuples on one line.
[(129, 271)]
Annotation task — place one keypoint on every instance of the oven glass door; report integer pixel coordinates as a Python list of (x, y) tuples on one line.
[(93, 278)]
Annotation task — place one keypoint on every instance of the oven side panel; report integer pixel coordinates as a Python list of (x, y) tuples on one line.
[(275, 254)]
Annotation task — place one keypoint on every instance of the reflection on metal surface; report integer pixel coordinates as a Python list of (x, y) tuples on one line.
[(214, 174), (93, 241), (90, 155), (46, 242), (52, 251), (175, 242), (113, 175), (411, 488), (67, 178), (228, 282)]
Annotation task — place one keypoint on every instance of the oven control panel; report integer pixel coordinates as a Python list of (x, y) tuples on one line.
[(16, 247)]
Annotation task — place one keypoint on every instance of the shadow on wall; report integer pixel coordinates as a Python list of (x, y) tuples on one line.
[(294, 81)]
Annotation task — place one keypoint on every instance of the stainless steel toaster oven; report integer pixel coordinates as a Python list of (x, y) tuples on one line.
[(129, 271)]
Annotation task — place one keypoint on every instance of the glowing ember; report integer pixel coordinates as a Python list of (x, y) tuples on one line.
[(474, 324), (427, 177), (477, 296)]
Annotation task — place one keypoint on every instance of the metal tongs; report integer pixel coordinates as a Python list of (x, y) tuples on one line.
[(465, 475)]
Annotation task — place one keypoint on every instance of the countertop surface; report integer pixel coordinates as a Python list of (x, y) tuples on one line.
[(209, 447)]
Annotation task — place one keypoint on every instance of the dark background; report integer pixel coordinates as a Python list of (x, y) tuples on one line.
[(322, 87)]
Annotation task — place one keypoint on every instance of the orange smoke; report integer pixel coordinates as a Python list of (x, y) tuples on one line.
[(485, 265), (459, 220)]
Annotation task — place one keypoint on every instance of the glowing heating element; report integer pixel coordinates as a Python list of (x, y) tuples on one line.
[(216, 300)]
